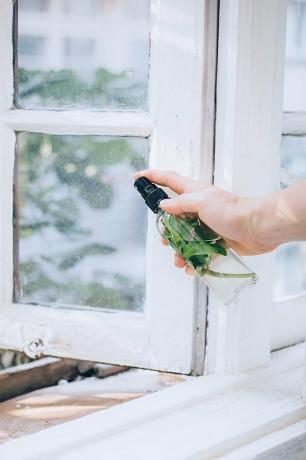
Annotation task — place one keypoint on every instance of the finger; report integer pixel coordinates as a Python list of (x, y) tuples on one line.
[(241, 249), (179, 262), (179, 184), (164, 242), (186, 203), (189, 270), (248, 249)]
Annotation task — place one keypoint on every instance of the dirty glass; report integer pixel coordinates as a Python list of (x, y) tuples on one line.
[(295, 66), (91, 54), (79, 227), (291, 258)]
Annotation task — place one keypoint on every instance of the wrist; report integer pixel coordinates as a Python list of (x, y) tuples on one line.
[(267, 228)]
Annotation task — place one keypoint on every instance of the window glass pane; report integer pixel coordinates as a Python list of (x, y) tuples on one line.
[(290, 270), (91, 54), (80, 7), (31, 46), (79, 227), (33, 5), (293, 159), (291, 258), (295, 69)]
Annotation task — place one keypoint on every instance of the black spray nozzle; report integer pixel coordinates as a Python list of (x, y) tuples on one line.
[(150, 193)]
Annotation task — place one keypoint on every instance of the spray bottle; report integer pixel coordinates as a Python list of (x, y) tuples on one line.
[(202, 249)]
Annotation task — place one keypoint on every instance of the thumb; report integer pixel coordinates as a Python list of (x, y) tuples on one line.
[(185, 203)]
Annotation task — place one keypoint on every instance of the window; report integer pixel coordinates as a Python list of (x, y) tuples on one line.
[(30, 46), (73, 194), (85, 7), (290, 280), (244, 415), (295, 69), (34, 5), (71, 133), (84, 275), (76, 67)]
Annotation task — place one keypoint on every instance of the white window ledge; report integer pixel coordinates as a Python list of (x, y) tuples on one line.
[(230, 416)]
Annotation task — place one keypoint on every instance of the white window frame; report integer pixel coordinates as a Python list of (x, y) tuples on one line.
[(247, 161), (170, 334), (226, 415), (289, 313), (229, 417), (247, 154)]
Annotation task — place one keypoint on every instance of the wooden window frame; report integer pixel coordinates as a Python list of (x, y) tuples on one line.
[(247, 156), (227, 415), (247, 161), (289, 313), (170, 334)]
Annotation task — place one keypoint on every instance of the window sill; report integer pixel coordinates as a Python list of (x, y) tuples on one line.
[(49, 405), (231, 416)]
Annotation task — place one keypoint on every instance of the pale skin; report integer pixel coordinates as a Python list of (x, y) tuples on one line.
[(250, 226)]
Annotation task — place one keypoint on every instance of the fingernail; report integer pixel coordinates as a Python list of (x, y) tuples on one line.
[(189, 271), (140, 173), (165, 202)]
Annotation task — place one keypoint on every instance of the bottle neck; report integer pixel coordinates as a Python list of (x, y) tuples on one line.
[(159, 221), (159, 213)]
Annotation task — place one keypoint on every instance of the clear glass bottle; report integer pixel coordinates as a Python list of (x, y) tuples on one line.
[(203, 250)]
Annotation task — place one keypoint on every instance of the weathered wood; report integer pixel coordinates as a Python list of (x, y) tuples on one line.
[(46, 372), (27, 377), (203, 418), (101, 371), (9, 358), (85, 367), (61, 403)]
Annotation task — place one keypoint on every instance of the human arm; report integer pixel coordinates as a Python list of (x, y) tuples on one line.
[(250, 226)]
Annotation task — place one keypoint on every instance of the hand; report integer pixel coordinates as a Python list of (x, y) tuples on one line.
[(231, 216)]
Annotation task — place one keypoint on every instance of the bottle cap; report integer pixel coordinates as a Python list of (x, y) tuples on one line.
[(150, 193)]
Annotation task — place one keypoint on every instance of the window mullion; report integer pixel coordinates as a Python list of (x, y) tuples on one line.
[(7, 146), (6, 53), (248, 134), (79, 122)]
